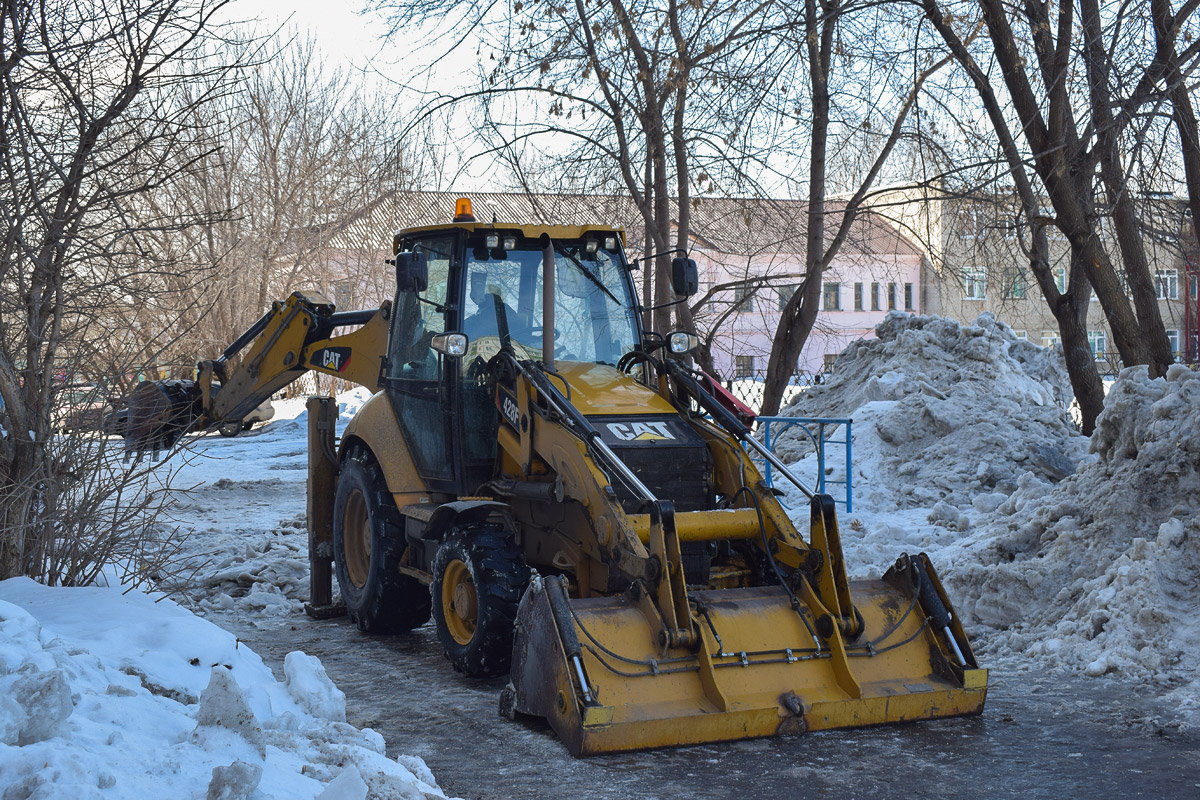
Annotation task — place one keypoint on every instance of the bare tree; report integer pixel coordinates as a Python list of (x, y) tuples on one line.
[(1070, 127), (832, 66), (90, 123), (303, 152), (654, 97)]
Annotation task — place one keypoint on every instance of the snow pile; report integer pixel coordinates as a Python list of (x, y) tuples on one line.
[(1059, 553), (104, 694), (945, 414), (1101, 573)]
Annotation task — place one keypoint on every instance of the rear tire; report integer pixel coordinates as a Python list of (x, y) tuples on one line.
[(230, 429), (479, 575), (368, 544)]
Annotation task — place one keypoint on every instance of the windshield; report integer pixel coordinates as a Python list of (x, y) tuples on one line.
[(594, 315)]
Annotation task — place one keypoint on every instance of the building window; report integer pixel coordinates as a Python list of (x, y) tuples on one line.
[(1014, 284), (1166, 282), (908, 297), (1021, 335), (858, 297), (743, 367), (891, 297), (973, 283), (1050, 338), (874, 296), (742, 297), (785, 294), (1173, 338), (832, 296), (972, 221), (1060, 279), (1098, 341), (1194, 286)]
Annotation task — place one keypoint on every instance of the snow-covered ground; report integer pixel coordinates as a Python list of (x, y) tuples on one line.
[(1061, 554)]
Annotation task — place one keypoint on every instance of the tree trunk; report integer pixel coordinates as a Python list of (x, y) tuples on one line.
[(800, 313), (1071, 310)]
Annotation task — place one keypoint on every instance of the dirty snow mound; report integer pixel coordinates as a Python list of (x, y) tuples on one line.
[(945, 413), (1101, 573)]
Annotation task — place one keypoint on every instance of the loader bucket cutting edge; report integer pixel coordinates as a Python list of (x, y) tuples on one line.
[(767, 679)]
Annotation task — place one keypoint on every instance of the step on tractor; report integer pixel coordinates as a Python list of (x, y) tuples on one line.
[(573, 505)]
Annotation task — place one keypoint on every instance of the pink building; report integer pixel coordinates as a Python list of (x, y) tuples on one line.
[(751, 258)]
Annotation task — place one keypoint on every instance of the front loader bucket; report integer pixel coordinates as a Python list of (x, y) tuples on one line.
[(757, 670)]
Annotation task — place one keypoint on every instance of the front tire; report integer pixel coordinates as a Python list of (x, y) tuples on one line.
[(478, 576), (368, 544), (230, 429)]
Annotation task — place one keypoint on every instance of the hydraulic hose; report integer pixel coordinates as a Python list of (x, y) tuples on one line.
[(727, 420)]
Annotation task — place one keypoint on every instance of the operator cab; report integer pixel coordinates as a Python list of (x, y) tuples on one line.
[(486, 283)]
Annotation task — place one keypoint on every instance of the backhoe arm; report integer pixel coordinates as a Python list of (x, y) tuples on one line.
[(290, 339)]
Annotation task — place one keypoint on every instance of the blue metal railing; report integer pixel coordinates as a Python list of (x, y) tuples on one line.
[(815, 428)]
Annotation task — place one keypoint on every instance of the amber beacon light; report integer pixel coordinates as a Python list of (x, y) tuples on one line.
[(462, 210)]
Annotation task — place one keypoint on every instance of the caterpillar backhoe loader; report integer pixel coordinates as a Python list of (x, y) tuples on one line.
[(573, 507)]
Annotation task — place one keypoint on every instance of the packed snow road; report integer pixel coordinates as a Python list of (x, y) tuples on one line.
[(1040, 736)]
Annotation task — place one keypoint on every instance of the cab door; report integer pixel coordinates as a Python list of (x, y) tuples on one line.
[(416, 375)]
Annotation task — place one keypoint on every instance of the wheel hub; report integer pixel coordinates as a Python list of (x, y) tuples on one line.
[(460, 604), (357, 539)]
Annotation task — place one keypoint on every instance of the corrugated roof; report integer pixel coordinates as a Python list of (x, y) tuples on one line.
[(726, 225)]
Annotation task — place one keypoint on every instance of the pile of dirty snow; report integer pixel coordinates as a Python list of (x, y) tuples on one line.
[(944, 415), (125, 696), (1100, 574), (1059, 552)]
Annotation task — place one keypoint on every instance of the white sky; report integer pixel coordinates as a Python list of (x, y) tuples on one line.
[(347, 37), (350, 40)]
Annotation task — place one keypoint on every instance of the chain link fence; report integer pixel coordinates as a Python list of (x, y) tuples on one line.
[(748, 386)]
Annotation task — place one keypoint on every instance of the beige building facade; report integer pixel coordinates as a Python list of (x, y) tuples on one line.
[(977, 262)]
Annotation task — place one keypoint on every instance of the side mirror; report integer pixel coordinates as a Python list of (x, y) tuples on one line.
[(685, 278), (412, 272)]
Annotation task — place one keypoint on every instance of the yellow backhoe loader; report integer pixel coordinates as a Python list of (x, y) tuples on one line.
[(571, 505)]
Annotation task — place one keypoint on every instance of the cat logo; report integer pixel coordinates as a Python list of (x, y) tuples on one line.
[(334, 358), (641, 431)]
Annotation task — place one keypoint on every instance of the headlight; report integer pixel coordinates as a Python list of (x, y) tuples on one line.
[(591, 245), (492, 241), (510, 243), (450, 344), (681, 342)]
